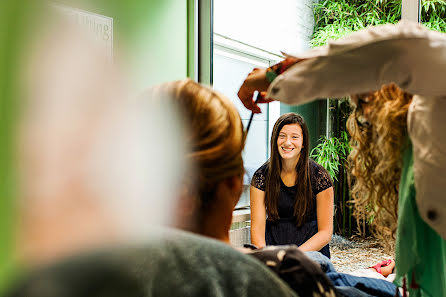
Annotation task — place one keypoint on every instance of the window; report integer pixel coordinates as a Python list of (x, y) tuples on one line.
[(243, 37), (232, 62)]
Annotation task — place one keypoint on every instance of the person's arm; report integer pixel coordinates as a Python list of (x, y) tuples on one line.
[(258, 217), (255, 81), (324, 208), (407, 53), (259, 80)]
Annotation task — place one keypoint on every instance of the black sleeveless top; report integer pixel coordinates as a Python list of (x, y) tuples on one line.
[(285, 230)]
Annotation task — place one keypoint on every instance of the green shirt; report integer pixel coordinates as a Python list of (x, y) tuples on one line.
[(420, 251)]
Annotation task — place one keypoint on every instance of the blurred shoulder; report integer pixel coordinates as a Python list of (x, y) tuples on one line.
[(171, 263)]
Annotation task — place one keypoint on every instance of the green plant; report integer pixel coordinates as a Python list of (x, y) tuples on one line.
[(331, 153), (433, 14), (337, 18)]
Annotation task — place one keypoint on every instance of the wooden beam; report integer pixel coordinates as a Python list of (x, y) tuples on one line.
[(411, 10)]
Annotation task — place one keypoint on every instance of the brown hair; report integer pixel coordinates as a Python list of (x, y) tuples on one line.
[(304, 194), (216, 138), (375, 160)]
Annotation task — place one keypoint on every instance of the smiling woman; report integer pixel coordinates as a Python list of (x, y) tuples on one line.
[(289, 142), (291, 195)]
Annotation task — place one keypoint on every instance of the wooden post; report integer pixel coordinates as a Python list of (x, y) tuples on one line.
[(411, 10)]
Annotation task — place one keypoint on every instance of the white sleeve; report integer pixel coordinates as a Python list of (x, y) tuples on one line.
[(407, 53)]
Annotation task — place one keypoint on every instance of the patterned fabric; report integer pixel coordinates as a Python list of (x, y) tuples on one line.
[(284, 230), (304, 276)]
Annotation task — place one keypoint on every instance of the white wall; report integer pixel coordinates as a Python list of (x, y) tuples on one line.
[(274, 26)]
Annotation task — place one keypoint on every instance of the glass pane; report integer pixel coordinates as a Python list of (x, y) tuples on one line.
[(229, 72)]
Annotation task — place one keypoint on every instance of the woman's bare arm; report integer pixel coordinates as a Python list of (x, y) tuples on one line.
[(258, 217)]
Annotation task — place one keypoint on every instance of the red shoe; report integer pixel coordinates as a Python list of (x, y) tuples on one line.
[(381, 264)]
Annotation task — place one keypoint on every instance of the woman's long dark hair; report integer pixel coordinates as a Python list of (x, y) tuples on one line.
[(304, 196)]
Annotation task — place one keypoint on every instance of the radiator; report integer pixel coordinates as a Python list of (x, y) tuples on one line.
[(240, 236)]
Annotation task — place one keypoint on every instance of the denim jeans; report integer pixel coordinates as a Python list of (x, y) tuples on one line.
[(351, 292), (322, 260), (343, 281)]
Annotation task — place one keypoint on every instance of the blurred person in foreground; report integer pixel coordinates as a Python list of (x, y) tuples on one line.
[(99, 172), (413, 58), (209, 193)]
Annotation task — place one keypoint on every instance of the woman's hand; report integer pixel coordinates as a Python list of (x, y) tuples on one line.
[(255, 81)]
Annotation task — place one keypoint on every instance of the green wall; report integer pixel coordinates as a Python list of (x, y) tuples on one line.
[(10, 30), (155, 33)]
